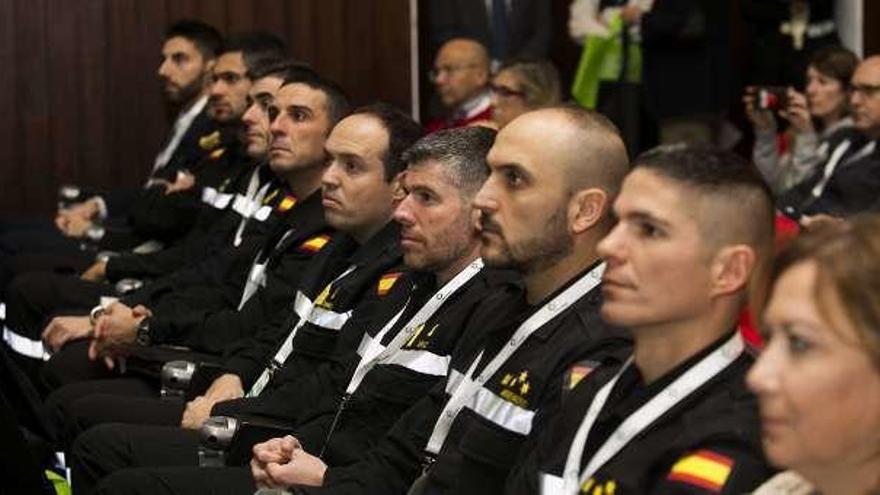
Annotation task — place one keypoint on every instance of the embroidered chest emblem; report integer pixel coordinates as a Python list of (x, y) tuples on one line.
[(269, 197), (592, 487), (420, 338), (210, 141), (515, 388), (326, 297)]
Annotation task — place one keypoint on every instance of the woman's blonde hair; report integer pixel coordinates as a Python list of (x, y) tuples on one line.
[(847, 255)]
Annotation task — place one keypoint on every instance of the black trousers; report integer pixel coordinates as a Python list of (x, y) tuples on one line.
[(110, 447), (177, 480), (72, 364), (74, 408)]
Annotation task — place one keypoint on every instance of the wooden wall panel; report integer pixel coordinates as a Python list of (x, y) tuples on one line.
[(9, 151), (871, 29), (79, 99)]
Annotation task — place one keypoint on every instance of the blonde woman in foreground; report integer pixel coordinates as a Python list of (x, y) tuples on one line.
[(818, 379)]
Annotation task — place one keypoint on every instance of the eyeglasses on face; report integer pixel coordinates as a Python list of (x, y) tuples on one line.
[(434, 73), (505, 92), (866, 90)]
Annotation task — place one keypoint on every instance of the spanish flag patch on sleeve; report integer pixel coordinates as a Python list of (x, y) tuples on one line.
[(387, 282), (287, 203), (703, 468), (315, 244)]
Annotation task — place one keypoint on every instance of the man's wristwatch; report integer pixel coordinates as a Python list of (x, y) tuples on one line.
[(143, 332)]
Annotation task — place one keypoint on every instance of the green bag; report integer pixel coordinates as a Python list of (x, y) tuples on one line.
[(601, 60)]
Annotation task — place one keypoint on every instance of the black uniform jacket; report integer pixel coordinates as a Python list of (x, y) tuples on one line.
[(168, 217), (336, 296), (484, 442), (852, 187), (708, 443), (214, 233), (189, 151), (208, 319), (318, 405)]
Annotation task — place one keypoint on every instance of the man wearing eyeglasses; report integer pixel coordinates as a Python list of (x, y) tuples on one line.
[(461, 78), (849, 181)]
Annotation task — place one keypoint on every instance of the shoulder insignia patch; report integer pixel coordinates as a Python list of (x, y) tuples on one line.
[(216, 154), (387, 282), (210, 141), (578, 372), (315, 244), (703, 468), (286, 203)]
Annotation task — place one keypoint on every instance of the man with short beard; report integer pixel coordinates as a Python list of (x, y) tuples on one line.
[(188, 54), (545, 205)]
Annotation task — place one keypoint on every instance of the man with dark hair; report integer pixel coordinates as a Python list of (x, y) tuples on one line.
[(694, 227), (188, 53), (171, 207), (341, 290)]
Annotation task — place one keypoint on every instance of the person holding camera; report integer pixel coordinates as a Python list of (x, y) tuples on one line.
[(812, 118)]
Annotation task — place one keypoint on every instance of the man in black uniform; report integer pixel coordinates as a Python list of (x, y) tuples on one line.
[(544, 207), (299, 143), (32, 297), (188, 55), (207, 318), (695, 225), (343, 289)]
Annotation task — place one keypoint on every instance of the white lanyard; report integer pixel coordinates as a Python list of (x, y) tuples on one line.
[(257, 274), (637, 422), (257, 199), (829, 168), (463, 394), (307, 311), (376, 353)]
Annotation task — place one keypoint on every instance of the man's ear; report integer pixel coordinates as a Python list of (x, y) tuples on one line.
[(209, 70), (732, 269), (586, 208), (397, 190)]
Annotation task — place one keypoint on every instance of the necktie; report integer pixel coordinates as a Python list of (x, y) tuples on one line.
[(500, 30)]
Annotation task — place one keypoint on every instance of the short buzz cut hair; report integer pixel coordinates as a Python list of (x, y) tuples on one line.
[(602, 153), (461, 152), (723, 178), (205, 37), (402, 130), (277, 67), (338, 105)]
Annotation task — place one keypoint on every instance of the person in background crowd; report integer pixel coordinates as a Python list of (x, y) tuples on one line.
[(686, 67), (848, 181), (461, 77), (813, 116), (818, 378), (609, 74), (520, 86), (784, 35), (508, 28)]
